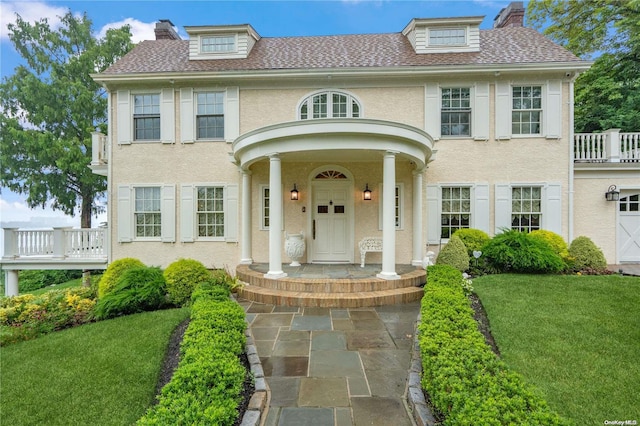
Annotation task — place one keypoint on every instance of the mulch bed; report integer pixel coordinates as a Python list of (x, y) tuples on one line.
[(172, 358)]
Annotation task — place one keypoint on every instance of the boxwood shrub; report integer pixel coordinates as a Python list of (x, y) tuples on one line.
[(182, 277), (206, 387), (473, 239), (466, 382), (113, 273), (454, 253), (586, 256)]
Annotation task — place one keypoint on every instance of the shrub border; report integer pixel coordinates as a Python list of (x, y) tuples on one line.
[(453, 331), (194, 351)]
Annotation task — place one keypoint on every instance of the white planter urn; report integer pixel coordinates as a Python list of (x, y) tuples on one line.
[(294, 247)]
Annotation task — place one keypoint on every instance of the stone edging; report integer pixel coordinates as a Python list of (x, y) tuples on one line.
[(415, 396), (258, 401)]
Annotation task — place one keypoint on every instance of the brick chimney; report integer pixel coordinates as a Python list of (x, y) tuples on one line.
[(510, 16), (164, 30)]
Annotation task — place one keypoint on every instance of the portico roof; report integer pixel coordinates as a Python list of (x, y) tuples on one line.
[(337, 136)]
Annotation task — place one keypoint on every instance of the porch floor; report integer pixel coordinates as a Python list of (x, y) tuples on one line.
[(332, 271)]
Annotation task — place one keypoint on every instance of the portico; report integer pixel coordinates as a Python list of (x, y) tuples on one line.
[(332, 193)]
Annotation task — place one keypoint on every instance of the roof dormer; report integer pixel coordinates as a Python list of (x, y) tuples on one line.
[(221, 41), (444, 35)]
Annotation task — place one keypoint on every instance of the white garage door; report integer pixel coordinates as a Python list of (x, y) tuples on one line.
[(629, 228)]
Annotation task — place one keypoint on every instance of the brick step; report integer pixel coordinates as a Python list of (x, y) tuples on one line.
[(330, 300)]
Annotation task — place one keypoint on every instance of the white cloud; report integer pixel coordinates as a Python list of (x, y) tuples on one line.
[(30, 12), (139, 30)]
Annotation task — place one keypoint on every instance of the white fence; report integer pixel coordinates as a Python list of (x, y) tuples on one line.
[(607, 147)]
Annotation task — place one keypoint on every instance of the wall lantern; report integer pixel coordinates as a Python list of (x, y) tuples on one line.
[(294, 193), (367, 193), (612, 194)]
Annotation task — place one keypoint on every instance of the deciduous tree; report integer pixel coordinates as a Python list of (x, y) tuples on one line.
[(50, 106), (608, 95)]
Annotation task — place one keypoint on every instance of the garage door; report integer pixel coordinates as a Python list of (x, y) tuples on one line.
[(629, 228)]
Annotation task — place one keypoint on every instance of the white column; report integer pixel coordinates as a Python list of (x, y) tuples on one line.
[(245, 248), (59, 242), (388, 218), (11, 283), (275, 219), (417, 217)]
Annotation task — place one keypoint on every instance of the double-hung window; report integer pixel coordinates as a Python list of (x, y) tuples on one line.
[(209, 115), (329, 105), (526, 208), (455, 112), (526, 112), (210, 211), (455, 210), (147, 212), (146, 116)]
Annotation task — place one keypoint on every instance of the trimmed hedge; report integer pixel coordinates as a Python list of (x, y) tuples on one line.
[(586, 256), (206, 387), (466, 382), (182, 277), (454, 253), (473, 239)]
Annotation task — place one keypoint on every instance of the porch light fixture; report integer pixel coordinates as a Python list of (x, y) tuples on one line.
[(294, 193), (612, 194), (367, 193)]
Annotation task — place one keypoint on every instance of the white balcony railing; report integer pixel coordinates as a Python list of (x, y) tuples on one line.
[(610, 146), (99, 153), (58, 243)]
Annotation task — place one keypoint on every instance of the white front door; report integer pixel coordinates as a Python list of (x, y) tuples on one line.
[(331, 233), (629, 228)]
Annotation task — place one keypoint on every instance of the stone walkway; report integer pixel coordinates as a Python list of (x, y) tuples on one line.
[(334, 367)]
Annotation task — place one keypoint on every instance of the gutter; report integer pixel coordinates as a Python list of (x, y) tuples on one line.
[(373, 71)]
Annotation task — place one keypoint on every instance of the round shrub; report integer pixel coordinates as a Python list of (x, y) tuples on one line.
[(114, 272), (139, 289), (473, 239), (556, 242), (454, 254), (586, 256), (182, 277), (514, 251)]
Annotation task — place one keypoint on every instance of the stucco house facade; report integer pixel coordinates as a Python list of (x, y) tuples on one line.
[(221, 145)]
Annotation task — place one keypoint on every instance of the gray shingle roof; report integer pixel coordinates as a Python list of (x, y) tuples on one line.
[(512, 45)]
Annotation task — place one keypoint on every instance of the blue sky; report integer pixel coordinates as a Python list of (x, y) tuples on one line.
[(269, 18)]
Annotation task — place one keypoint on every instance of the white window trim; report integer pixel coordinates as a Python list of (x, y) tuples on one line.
[(195, 114), (224, 52), (543, 196), (195, 210), (400, 225), (445, 45), (189, 212), (471, 112), (551, 205), (543, 109), (262, 201), (308, 98), (125, 214), (132, 102), (284, 193), (480, 208)]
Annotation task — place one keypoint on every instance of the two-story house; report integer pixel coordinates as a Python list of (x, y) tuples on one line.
[(220, 144)]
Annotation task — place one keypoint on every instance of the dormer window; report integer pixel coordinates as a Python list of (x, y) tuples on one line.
[(218, 44), (447, 37), (329, 105)]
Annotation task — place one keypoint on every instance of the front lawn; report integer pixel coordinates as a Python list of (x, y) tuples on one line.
[(103, 373), (577, 338)]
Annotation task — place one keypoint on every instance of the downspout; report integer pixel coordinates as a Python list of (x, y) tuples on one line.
[(571, 154)]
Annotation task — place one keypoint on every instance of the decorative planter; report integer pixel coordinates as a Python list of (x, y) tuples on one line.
[(294, 247)]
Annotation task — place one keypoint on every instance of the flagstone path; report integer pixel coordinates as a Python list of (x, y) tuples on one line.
[(334, 367)]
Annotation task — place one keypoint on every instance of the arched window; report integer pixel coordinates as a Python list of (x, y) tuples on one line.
[(329, 105)]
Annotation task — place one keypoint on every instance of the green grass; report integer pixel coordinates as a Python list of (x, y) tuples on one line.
[(577, 338), (102, 373)]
